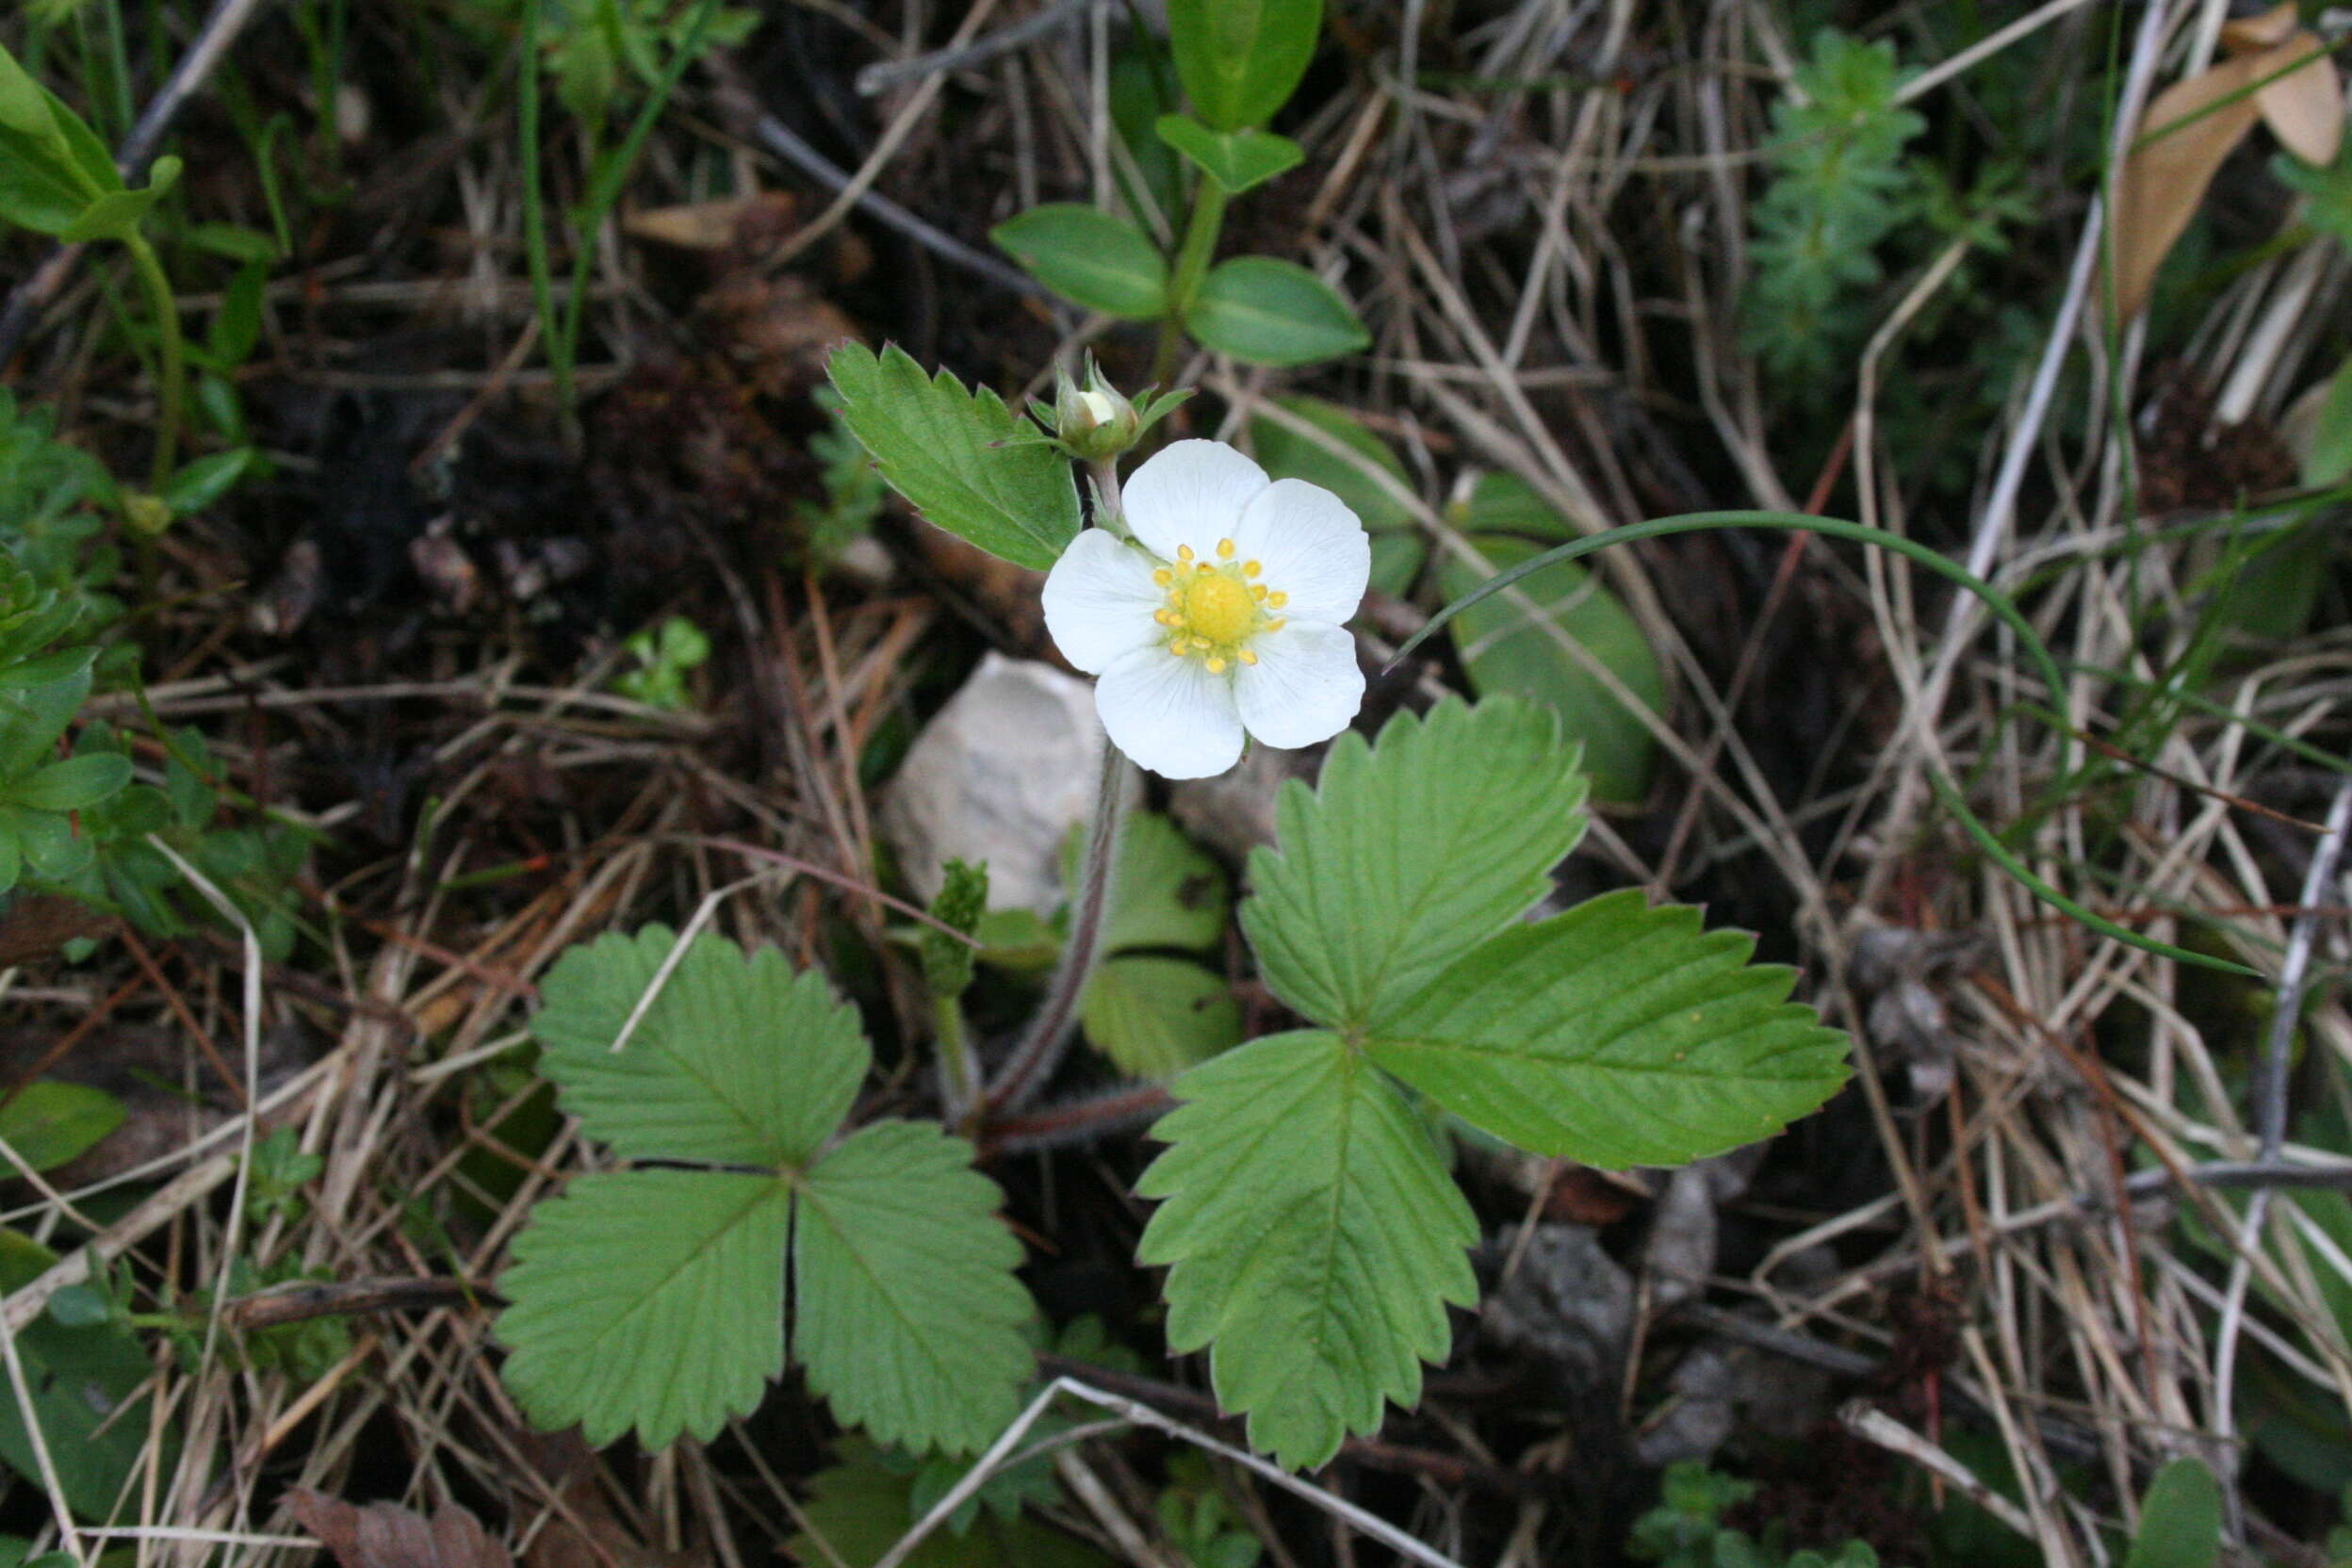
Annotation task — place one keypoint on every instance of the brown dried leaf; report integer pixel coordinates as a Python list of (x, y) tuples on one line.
[(384, 1535), (2164, 179), (2304, 108), (694, 227), (2248, 34)]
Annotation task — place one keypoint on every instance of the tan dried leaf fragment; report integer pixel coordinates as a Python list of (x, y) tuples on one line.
[(2277, 73), (384, 1535)]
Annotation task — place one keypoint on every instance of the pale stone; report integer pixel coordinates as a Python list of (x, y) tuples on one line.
[(1002, 774)]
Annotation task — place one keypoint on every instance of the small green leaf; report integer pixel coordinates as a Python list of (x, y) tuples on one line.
[(48, 1123), (936, 445), (906, 1311), (1088, 257), (2180, 1519), (117, 214), (1409, 853), (1506, 651), (205, 480), (1167, 891), (1263, 311), (858, 1509), (1236, 160), (87, 1387), (23, 106), (235, 330), (1135, 104), (73, 784), (1615, 1035), (1312, 1236), (1017, 939), (738, 1060), (650, 1299), (1241, 59), (1157, 1017)]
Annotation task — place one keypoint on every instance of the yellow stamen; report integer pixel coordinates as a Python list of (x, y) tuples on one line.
[(1163, 577), (1275, 602), (1167, 617), (1216, 666), (1224, 549), (1258, 592), (1251, 568), (1183, 552), (1246, 655), (1276, 626)]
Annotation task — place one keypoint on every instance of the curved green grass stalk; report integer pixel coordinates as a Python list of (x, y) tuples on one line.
[(1999, 604)]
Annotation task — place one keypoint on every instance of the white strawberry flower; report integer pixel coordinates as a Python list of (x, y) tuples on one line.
[(1222, 614)]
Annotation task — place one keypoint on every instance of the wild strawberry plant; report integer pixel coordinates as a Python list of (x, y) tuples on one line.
[(1312, 1235)]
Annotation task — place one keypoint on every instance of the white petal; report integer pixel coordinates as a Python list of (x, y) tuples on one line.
[(1099, 600), (1314, 549), (1170, 715), (1190, 493), (1304, 687)]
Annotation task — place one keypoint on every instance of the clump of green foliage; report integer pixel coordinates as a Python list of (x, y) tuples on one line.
[(1839, 188), (1686, 1530)]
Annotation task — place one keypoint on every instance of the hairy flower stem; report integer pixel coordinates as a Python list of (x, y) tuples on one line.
[(1192, 264), (1040, 1048)]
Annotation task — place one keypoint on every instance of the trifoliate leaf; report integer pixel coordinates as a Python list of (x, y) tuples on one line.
[(1616, 1034), (738, 1060), (1314, 1238), (648, 1299), (1166, 892), (938, 447), (1410, 854), (858, 1509), (906, 1314), (1157, 1017)]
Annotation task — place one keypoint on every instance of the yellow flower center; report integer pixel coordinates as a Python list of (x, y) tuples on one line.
[(1217, 607), (1214, 609)]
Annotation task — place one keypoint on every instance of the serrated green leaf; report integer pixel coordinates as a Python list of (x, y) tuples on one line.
[(48, 1123), (1409, 853), (1312, 1236), (1089, 257), (857, 1509), (1236, 160), (1157, 1017), (1616, 1034), (1265, 311), (1167, 891), (1241, 59), (737, 1061), (906, 1311), (1506, 651), (73, 783), (935, 444), (650, 1299), (2180, 1519)]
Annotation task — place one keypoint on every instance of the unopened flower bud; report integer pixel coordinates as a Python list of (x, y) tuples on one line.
[(1096, 421)]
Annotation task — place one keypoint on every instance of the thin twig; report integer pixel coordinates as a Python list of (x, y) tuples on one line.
[(890, 73)]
